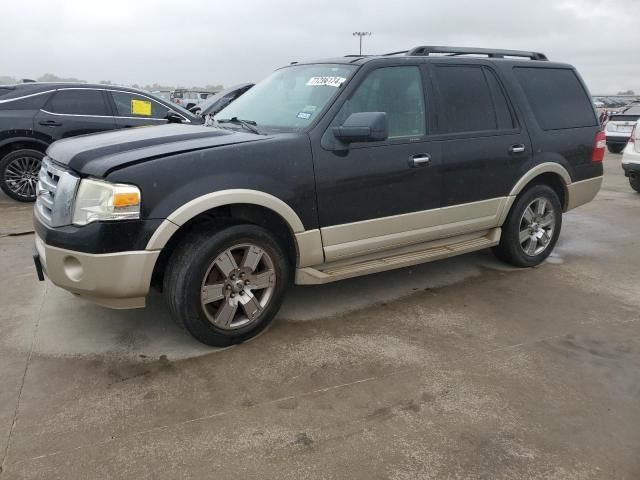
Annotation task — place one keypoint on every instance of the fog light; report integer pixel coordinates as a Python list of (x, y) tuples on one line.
[(73, 269)]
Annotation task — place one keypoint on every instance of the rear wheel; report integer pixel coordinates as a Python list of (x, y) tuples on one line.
[(635, 183), (615, 148), (19, 174), (226, 287), (532, 227)]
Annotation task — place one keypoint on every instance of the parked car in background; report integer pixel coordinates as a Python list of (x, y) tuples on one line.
[(217, 102), (33, 115), (619, 126), (189, 98), (323, 171), (163, 94), (631, 158)]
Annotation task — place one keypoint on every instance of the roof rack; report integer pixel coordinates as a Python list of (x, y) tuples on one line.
[(455, 51)]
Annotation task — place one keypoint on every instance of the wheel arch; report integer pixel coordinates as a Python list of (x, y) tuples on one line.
[(304, 247), (17, 143), (549, 173)]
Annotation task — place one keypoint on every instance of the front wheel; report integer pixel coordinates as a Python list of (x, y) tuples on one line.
[(19, 174), (532, 227), (225, 287), (635, 183)]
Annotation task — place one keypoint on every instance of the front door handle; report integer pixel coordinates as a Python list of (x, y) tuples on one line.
[(419, 160), (518, 148), (50, 123)]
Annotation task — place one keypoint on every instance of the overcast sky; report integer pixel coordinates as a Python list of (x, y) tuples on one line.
[(198, 42)]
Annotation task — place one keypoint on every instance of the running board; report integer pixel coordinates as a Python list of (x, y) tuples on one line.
[(428, 252)]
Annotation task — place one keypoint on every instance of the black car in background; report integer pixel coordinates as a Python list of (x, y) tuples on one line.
[(217, 102), (34, 115)]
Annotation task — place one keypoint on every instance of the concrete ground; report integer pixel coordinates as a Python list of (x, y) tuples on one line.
[(464, 368)]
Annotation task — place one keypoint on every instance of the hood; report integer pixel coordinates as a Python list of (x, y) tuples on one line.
[(98, 154)]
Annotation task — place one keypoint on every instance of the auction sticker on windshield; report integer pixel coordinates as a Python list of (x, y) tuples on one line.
[(140, 107), (330, 81)]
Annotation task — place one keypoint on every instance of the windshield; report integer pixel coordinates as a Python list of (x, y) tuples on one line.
[(290, 98)]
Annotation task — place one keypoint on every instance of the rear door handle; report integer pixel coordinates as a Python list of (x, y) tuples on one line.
[(420, 160), (50, 123), (518, 148)]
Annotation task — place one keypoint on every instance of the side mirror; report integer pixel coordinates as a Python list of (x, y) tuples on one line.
[(173, 117), (363, 127)]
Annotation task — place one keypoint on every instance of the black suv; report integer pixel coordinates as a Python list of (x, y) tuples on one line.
[(33, 115), (322, 171)]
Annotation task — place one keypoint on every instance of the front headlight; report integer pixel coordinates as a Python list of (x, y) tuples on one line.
[(100, 200)]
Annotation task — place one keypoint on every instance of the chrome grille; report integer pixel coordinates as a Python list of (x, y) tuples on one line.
[(55, 191)]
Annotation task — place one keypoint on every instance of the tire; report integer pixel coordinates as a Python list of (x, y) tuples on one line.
[(543, 229), (615, 148), (201, 286), (19, 174), (635, 183)]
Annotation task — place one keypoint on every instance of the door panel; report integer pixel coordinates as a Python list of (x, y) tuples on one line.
[(368, 195), (483, 145), (481, 168)]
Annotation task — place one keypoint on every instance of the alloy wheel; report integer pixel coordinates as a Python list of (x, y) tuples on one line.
[(536, 226), (21, 176), (238, 286)]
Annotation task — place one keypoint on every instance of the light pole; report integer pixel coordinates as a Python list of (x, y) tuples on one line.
[(360, 35)]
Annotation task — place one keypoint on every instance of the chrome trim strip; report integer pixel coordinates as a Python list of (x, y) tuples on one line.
[(100, 116), (119, 91), (97, 116), (14, 99)]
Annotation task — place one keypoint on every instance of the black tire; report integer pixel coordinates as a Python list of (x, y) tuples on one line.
[(191, 263), (635, 183), (510, 248), (615, 148), (8, 164)]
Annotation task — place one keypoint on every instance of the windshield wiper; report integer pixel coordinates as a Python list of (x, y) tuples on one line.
[(248, 124)]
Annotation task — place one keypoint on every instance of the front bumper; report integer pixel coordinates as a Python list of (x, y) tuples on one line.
[(115, 280)]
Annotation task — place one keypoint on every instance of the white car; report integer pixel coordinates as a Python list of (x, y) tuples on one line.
[(619, 127), (631, 158)]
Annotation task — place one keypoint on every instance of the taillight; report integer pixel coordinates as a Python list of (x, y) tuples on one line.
[(599, 144), (632, 138)]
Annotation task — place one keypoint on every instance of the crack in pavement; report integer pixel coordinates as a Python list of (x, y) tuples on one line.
[(24, 376)]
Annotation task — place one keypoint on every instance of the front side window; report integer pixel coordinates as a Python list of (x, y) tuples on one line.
[(78, 102), (397, 91), (290, 98), (132, 105)]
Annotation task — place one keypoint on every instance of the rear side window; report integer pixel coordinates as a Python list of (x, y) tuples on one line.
[(557, 98), (78, 102), (132, 105), (471, 100), (33, 102)]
